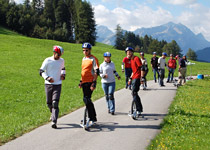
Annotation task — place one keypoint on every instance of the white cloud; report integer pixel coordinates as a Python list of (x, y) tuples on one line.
[(142, 16), (180, 2), (197, 20), (196, 17)]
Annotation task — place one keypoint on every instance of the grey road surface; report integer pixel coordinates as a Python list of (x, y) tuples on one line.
[(118, 132)]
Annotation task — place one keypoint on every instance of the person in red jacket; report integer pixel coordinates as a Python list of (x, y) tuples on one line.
[(171, 68), (134, 80)]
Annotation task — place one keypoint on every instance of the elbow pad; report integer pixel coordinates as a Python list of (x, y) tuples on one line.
[(40, 72), (63, 71)]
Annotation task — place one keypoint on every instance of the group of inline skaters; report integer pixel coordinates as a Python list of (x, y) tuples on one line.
[(136, 69)]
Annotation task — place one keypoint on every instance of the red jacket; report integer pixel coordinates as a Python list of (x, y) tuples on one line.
[(172, 63), (135, 65)]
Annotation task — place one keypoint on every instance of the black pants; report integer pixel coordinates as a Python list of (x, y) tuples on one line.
[(87, 100), (53, 94), (136, 98)]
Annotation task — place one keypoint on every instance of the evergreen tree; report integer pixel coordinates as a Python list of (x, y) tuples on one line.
[(49, 14), (25, 21), (119, 42), (155, 47), (146, 43), (12, 17), (4, 6), (172, 48), (191, 54), (86, 26)]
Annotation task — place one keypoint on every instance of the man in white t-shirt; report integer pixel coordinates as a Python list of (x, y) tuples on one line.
[(53, 71), (161, 68)]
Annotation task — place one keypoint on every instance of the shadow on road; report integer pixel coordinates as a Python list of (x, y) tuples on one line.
[(112, 126)]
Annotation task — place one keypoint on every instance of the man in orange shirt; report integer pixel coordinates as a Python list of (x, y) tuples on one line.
[(89, 73), (135, 77)]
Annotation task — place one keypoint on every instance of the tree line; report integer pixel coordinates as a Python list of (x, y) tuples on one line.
[(62, 20), (147, 44)]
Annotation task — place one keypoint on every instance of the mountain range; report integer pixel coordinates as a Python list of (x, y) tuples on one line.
[(180, 33)]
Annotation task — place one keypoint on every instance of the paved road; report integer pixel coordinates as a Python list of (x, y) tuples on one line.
[(118, 132)]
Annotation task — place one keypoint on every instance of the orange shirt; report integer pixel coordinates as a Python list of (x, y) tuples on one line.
[(89, 66)]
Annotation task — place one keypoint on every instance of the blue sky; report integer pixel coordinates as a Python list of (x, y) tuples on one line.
[(133, 14)]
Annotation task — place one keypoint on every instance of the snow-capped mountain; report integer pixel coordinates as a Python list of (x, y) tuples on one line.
[(170, 31), (178, 32)]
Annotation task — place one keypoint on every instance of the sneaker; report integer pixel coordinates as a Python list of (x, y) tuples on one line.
[(112, 113), (54, 125), (167, 81)]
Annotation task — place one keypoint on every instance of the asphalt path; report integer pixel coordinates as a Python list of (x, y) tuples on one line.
[(118, 132)]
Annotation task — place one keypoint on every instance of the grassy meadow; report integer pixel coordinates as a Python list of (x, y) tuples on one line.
[(22, 95), (187, 126)]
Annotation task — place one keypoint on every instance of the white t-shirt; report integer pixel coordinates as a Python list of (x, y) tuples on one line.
[(53, 68), (162, 62)]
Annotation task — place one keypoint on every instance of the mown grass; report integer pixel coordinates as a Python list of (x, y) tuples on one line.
[(187, 126), (22, 96)]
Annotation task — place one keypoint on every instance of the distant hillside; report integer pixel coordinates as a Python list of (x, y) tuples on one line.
[(104, 35), (170, 31), (178, 32), (203, 55)]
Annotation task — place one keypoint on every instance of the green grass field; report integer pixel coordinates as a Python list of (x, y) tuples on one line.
[(22, 96), (187, 126)]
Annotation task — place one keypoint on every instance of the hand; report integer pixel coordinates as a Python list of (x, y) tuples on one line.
[(50, 79), (92, 88), (80, 84), (119, 78), (62, 77), (93, 85), (129, 81), (122, 70), (105, 76)]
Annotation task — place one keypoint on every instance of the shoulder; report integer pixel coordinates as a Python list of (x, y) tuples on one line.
[(92, 56)]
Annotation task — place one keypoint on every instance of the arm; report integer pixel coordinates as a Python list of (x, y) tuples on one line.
[(102, 75), (115, 72), (42, 72)]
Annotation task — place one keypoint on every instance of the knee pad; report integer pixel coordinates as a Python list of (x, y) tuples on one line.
[(111, 96), (55, 104), (49, 105)]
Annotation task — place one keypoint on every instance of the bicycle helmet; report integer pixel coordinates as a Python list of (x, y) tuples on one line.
[(154, 53), (58, 49), (177, 56), (142, 53), (107, 54), (129, 49), (164, 54), (86, 45)]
